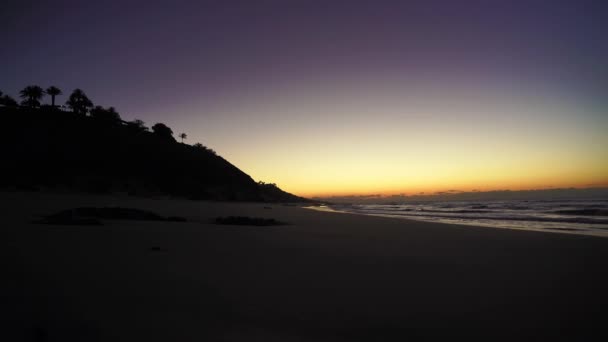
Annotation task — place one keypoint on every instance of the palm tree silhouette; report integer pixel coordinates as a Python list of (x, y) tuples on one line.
[(53, 91), (183, 136), (79, 102), (31, 96)]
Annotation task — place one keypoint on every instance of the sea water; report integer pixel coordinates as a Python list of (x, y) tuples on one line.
[(588, 217)]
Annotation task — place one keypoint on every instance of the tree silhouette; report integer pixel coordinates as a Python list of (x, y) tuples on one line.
[(183, 136), (97, 111), (108, 115), (163, 131), (53, 91), (137, 126), (204, 148), (31, 96), (79, 102), (8, 101), (113, 114)]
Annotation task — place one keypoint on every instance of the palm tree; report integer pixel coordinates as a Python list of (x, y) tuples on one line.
[(53, 91), (31, 96), (183, 136), (79, 102)]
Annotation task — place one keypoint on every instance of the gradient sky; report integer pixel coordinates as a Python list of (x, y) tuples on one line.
[(342, 97)]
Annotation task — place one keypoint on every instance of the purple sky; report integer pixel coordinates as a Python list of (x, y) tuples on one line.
[(199, 66), (147, 56)]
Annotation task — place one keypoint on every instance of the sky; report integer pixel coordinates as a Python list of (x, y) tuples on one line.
[(342, 97)]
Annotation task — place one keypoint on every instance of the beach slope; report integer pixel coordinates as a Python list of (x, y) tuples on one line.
[(322, 277)]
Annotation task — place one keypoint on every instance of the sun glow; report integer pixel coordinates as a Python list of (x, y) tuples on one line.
[(377, 141)]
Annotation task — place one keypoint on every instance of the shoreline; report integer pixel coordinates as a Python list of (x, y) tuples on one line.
[(470, 223)]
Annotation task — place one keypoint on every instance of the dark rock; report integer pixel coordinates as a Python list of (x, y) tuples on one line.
[(93, 216)]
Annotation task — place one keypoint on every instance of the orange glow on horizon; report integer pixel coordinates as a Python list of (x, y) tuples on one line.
[(361, 140), (431, 191), (523, 177)]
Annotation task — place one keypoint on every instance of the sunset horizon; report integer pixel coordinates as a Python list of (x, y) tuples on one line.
[(441, 191), (362, 99), (304, 170)]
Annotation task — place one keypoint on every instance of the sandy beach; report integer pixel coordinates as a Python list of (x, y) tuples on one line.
[(322, 277)]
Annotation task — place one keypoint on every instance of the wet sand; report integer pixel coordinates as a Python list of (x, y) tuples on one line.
[(323, 277)]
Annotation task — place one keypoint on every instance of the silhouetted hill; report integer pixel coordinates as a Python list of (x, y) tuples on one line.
[(51, 149)]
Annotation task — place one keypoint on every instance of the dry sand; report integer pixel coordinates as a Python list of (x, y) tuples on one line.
[(324, 277)]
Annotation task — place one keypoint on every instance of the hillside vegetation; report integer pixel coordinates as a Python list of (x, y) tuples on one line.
[(49, 148)]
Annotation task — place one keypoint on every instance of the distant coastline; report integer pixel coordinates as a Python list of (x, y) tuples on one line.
[(598, 193)]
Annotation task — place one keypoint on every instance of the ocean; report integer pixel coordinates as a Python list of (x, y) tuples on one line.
[(587, 217)]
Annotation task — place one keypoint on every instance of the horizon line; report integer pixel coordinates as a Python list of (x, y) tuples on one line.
[(454, 192)]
